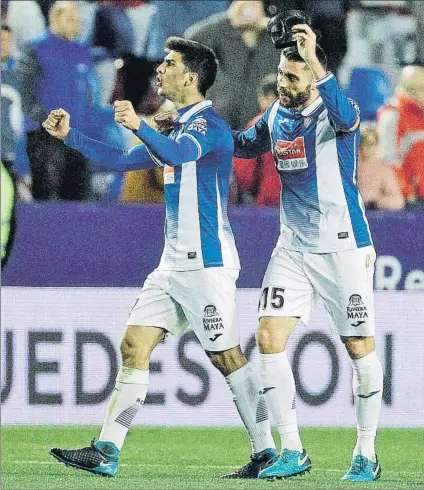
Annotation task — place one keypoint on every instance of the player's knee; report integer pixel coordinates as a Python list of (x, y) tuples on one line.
[(358, 347), (264, 338), (228, 361), (134, 352)]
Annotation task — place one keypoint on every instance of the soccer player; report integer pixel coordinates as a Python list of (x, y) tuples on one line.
[(195, 282), (324, 248)]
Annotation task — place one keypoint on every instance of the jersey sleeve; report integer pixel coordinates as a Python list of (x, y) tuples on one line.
[(196, 141), (255, 141), (342, 111), (203, 133), (108, 157)]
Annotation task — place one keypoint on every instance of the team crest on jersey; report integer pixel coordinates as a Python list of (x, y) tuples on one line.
[(200, 125), (291, 155)]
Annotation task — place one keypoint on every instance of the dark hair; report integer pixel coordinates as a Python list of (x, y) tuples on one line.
[(292, 54), (198, 58), (5, 27), (268, 85)]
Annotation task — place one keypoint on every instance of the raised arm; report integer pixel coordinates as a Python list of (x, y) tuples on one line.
[(194, 143), (342, 111), (254, 141), (109, 157), (99, 154)]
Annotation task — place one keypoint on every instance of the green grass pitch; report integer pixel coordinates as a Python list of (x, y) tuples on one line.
[(194, 458)]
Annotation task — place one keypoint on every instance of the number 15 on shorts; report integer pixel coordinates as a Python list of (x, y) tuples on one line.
[(273, 296)]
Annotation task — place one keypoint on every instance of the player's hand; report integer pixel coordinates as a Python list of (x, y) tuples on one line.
[(125, 115), (306, 42), (58, 124), (163, 121)]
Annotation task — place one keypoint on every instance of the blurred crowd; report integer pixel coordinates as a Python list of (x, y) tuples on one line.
[(83, 55)]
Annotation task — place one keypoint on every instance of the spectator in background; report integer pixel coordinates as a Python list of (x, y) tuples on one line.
[(417, 9), (11, 113), (176, 16), (55, 71), (245, 53), (257, 179), (377, 181), (26, 21), (8, 222), (401, 131), (380, 33), (328, 18)]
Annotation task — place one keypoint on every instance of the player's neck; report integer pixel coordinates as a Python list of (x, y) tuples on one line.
[(314, 96), (188, 99)]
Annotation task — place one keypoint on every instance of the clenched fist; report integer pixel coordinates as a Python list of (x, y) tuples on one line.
[(58, 124), (125, 115)]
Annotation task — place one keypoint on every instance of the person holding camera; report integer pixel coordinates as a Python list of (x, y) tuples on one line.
[(324, 249)]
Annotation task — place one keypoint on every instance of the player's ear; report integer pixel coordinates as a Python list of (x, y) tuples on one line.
[(193, 77)]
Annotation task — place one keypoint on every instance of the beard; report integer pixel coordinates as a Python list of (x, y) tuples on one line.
[(289, 100)]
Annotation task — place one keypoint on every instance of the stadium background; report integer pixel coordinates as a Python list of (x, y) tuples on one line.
[(73, 275)]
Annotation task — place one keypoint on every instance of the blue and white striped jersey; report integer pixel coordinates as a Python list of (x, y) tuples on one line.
[(196, 159), (315, 152), (197, 230)]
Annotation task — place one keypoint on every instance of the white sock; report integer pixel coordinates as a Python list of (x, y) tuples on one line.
[(127, 398), (367, 390), (245, 386), (280, 390)]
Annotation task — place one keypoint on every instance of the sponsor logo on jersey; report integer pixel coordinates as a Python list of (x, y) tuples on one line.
[(342, 234), (356, 307), (200, 125), (291, 155), (168, 175), (212, 320)]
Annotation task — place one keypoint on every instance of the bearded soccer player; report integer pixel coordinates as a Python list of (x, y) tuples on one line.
[(324, 247), (195, 282)]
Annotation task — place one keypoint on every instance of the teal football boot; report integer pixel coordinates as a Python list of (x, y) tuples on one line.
[(363, 469), (289, 463)]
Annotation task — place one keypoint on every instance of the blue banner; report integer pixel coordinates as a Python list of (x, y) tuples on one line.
[(92, 244)]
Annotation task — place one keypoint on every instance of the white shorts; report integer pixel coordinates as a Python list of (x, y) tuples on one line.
[(205, 299), (343, 280)]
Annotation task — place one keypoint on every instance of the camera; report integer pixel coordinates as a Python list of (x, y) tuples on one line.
[(280, 26)]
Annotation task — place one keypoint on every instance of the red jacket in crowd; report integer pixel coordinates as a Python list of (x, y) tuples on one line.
[(401, 132), (258, 176)]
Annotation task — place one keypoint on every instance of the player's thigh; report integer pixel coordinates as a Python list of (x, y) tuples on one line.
[(156, 307), (286, 290), (208, 298), (344, 281)]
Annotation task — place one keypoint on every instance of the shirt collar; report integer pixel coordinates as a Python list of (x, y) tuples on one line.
[(311, 107), (184, 113)]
